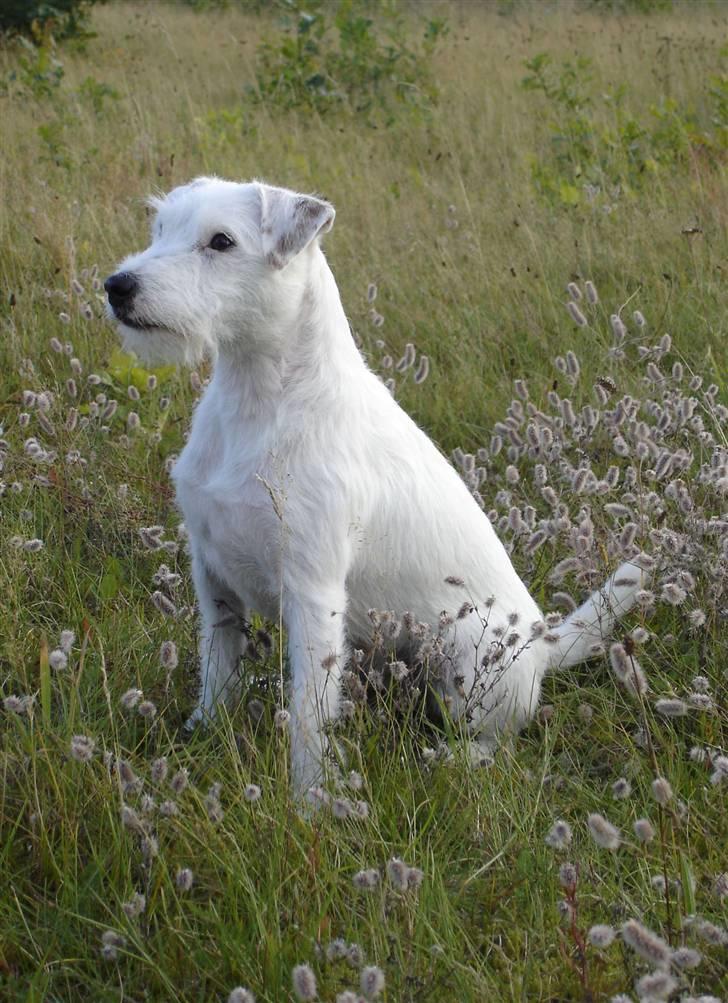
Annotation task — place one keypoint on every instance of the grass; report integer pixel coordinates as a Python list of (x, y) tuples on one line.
[(465, 218)]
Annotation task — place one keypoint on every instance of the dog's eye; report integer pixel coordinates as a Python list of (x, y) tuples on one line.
[(221, 242)]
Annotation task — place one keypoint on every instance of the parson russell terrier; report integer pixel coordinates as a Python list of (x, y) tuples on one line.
[(307, 491)]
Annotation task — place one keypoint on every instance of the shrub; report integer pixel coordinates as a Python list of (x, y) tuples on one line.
[(330, 55), (66, 18)]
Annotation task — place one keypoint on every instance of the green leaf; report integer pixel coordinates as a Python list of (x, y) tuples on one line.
[(569, 194), (112, 580)]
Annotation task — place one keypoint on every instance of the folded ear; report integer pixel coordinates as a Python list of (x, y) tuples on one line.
[(289, 222)]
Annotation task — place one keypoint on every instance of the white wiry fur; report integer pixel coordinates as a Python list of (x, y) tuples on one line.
[(308, 491)]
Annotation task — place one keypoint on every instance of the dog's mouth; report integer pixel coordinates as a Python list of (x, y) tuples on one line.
[(137, 323)]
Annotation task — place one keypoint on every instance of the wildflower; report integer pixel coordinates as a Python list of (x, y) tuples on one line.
[(168, 655), (355, 956), (179, 781), (168, 809), (585, 713), (574, 291), (150, 536), (135, 906), (627, 669), (576, 315), (341, 808), (423, 369), (559, 835), (163, 604), (111, 942), (397, 874), (644, 830), (33, 546), (366, 880), (336, 950), (711, 933), (655, 986), (159, 769), (147, 709), (240, 995), (646, 943), (686, 957), (621, 789), (371, 292), (304, 983), (720, 886), (591, 293), (603, 832), (184, 879), (371, 981), (82, 748), (673, 594), (661, 790), (568, 875), (130, 699), (671, 707), (57, 659), (281, 719), (252, 793), (18, 705), (601, 935), (130, 820)]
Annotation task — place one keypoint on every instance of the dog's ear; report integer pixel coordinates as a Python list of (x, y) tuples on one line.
[(289, 222)]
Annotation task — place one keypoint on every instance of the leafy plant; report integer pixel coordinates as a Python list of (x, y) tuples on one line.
[(591, 157), (331, 55), (65, 18)]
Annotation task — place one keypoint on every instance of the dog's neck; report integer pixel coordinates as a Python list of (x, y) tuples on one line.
[(293, 349)]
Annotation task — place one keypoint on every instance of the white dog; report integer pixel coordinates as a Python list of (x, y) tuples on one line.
[(307, 491)]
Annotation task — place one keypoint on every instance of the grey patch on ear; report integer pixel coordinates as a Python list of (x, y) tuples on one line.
[(290, 222)]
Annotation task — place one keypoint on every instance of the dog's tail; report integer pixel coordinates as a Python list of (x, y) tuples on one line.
[(579, 636)]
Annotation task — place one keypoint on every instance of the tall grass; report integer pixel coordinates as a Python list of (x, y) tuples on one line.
[(444, 209)]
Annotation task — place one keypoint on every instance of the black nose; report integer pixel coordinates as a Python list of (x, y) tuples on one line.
[(121, 288)]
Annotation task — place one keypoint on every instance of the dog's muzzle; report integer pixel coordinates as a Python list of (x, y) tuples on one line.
[(121, 289)]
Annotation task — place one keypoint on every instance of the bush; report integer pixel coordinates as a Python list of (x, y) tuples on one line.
[(337, 54), (66, 18)]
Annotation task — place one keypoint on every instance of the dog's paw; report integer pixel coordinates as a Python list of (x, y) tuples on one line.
[(199, 718), (481, 755)]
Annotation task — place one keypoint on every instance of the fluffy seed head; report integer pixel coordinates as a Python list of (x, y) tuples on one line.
[(601, 935), (184, 879), (304, 983), (603, 832), (661, 790), (655, 986), (82, 748), (371, 981), (646, 943), (241, 995), (644, 830), (559, 835)]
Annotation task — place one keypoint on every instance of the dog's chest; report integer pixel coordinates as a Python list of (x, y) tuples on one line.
[(228, 503)]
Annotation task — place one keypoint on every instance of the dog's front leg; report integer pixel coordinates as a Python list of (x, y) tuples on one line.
[(316, 649), (222, 640)]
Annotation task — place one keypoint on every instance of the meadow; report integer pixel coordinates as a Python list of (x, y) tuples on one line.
[(530, 197)]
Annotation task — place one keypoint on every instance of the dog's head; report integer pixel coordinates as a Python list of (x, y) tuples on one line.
[(226, 264)]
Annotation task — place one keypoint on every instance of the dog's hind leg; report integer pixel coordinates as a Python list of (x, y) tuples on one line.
[(222, 641)]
